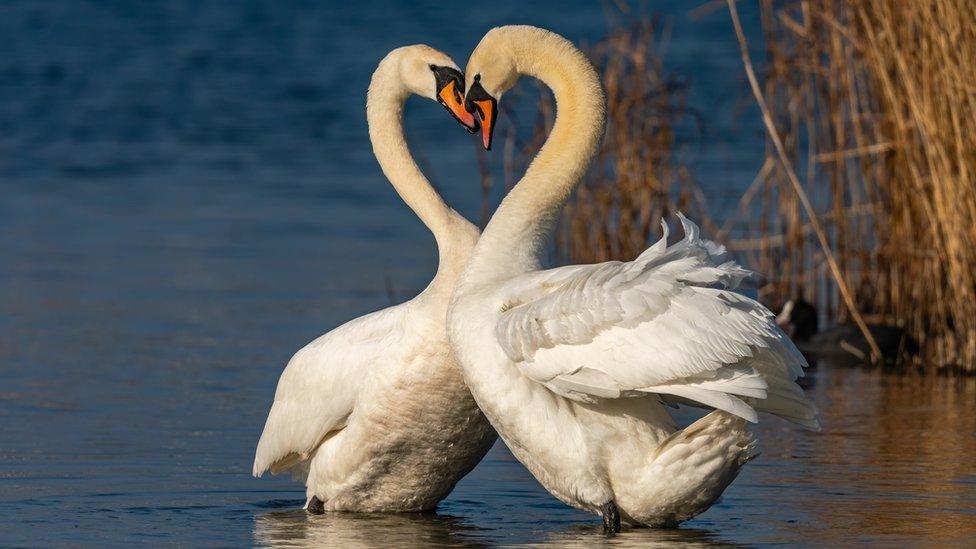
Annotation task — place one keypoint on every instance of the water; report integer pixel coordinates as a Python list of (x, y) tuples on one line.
[(187, 197)]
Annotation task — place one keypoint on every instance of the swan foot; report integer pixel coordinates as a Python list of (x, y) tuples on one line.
[(611, 517), (315, 506)]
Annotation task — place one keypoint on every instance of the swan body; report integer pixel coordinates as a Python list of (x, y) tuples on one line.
[(374, 415), (574, 366)]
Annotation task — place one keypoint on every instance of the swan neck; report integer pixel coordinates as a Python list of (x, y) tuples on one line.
[(517, 234), (385, 102)]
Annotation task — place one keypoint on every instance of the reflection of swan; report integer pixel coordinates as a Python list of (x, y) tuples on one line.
[(406, 530), (296, 529), (374, 414), (550, 355), (687, 538)]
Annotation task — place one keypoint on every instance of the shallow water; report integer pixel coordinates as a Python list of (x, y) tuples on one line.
[(187, 197), (893, 465)]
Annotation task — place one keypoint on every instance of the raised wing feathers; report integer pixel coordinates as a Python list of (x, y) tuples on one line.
[(664, 323)]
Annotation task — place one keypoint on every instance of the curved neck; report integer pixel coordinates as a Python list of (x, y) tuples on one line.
[(517, 233), (384, 114)]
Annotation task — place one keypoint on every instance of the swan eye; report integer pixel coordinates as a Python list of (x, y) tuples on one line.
[(477, 77), (433, 67)]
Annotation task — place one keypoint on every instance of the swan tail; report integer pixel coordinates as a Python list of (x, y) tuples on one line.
[(718, 434), (692, 467)]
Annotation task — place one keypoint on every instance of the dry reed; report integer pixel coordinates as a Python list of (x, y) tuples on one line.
[(635, 181), (877, 104)]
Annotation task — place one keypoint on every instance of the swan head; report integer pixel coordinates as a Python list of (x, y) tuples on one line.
[(430, 73), (491, 71)]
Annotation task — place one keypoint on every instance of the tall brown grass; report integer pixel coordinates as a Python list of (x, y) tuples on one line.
[(635, 181), (877, 102)]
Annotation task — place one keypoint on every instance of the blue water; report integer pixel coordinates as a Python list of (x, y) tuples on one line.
[(187, 196)]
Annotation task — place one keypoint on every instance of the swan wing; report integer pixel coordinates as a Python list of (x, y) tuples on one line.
[(666, 323), (319, 387)]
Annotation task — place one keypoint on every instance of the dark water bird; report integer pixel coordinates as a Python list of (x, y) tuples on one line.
[(843, 343)]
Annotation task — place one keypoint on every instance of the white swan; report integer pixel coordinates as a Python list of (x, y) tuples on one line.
[(374, 414), (571, 365)]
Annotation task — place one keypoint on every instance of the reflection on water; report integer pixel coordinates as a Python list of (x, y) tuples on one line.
[(898, 456), (893, 465), (296, 529)]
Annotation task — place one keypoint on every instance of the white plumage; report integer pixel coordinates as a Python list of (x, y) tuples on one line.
[(374, 415), (318, 390), (665, 323), (573, 365)]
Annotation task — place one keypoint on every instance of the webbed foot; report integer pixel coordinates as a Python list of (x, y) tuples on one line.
[(611, 517), (315, 506)]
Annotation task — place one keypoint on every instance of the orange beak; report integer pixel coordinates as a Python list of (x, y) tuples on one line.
[(480, 101), (486, 111), (450, 97)]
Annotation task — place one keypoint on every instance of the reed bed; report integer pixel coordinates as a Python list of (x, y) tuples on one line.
[(875, 104)]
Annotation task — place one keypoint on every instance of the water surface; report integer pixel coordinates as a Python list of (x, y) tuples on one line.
[(187, 197)]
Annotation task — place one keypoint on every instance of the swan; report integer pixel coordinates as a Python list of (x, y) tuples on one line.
[(573, 366), (374, 414)]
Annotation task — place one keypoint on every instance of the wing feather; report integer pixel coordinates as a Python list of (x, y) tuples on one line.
[(318, 389), (666, 323)]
